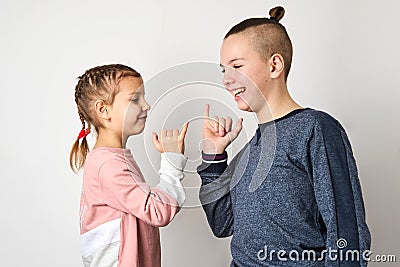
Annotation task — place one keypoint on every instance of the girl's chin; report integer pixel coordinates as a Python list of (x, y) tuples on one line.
[(136, 131)]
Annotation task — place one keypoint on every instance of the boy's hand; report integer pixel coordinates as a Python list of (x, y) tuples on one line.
[(171, 140), (218, 132)]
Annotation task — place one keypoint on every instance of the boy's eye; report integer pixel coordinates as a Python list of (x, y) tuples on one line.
[(234, 66), (135, 100)]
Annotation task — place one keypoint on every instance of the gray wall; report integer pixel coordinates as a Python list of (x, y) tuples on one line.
[(346, 60)]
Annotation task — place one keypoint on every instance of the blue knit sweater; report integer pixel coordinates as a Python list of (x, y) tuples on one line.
[(290, 197)]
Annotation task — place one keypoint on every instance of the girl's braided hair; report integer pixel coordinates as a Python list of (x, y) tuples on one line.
[(96, 83)]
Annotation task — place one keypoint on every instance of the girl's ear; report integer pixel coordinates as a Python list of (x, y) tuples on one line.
[(277, 66), (102, 110)]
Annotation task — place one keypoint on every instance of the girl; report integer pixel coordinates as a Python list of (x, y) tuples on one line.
[(120, 214), (296, 201)]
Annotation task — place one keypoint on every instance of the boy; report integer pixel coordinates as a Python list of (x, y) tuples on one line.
[(291, 196)]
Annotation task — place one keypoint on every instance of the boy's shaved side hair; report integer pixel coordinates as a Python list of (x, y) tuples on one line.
[(267, 36)]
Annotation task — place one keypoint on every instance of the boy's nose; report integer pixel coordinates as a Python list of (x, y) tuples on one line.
[(228, 78)]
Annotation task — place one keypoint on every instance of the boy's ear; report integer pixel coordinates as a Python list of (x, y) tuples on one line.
[(277, 66), (102, 110)]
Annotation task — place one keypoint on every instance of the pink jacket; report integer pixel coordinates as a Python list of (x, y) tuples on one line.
[(120, 214)]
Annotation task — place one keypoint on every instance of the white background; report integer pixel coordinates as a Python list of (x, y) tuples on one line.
[(346, 58)]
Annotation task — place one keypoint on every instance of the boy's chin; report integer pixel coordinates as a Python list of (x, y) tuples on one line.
[(244, 107)]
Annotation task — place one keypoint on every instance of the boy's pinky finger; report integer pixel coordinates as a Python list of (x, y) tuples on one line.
[(238, 127)]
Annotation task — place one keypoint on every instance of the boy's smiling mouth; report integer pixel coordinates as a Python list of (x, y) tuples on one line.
[(238, 91)]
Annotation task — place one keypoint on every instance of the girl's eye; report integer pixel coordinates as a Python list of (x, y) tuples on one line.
[(135, 100)]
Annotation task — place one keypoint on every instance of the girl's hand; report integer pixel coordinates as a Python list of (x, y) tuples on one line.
[(171, 140), (218, 132)]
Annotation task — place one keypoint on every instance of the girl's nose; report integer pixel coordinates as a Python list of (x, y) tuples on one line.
[(146, 106)]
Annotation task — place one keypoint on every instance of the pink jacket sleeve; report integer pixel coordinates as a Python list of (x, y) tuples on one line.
[(124, 189)]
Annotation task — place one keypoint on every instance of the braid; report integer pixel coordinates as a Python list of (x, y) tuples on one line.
[(82, 120), (79, 151), (100, 82)]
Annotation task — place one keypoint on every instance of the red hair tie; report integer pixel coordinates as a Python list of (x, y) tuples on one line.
[(83, 133)]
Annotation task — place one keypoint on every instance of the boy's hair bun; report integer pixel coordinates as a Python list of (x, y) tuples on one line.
[(276, 13)]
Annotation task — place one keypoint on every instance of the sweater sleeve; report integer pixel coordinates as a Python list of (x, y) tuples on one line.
[(123, 188), (338, 194), (215, 193)]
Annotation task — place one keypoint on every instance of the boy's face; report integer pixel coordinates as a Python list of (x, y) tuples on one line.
[(129, 109), (246, 74)]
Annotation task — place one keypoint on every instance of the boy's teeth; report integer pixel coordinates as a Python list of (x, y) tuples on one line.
[(238, 91)]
